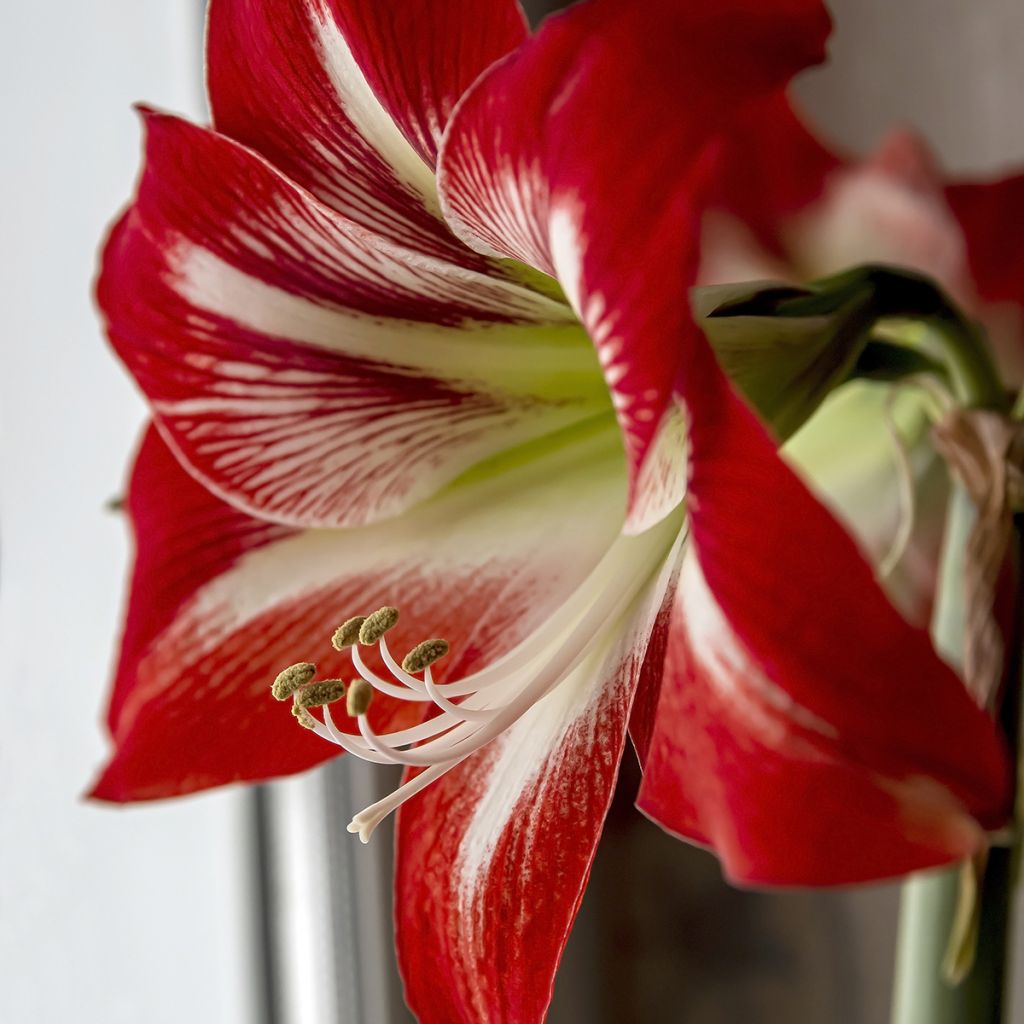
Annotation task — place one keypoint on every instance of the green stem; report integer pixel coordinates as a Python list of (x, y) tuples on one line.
[(985, 988), (969, 364), (921, 995)]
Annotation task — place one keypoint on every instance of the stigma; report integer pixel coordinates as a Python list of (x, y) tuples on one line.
[(461, 716)]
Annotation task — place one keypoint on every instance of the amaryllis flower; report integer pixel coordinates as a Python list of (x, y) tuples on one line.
[(413, 320)]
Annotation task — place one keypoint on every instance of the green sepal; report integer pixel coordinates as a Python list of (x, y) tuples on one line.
[(784, 364), (787, 346)]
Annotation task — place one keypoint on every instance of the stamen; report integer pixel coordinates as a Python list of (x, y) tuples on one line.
[(368, 819), (303, 717), (399, 692), (291, 679), (360, 693), (468, 713), (424, 654), (397, 671), (376, 625), (906, 507), (347, 633), (456, 710), (316, 695), (943, 402)]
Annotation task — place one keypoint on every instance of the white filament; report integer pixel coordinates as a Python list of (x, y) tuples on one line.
[(906, 509)]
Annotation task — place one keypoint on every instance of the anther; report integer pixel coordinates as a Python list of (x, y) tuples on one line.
[(376, 625), (424, 654), (315, 695), (303, 717), (291, 679), (347, 633), (360, 693)]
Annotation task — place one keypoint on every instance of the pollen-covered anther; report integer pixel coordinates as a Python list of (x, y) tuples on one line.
[(316, 695), (377, 624), (303, 717), (424, 654), (360, 693), (347, 633), (291, 679)]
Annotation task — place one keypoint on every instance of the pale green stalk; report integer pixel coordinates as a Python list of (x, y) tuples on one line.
[(921, 993)]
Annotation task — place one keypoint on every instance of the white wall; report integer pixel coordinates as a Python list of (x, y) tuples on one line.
[(950, 68), (120, 917)]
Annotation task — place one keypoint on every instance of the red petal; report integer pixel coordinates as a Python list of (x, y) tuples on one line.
[(768, 167), (302, 366), (989, 214), (806, 730), (220, 602), (349, 97), (182, 544), (582, 154), (493, 858), (643, 716)]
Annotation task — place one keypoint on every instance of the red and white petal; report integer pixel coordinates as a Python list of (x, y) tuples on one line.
[(560, 156), (494, 857), (306, 371), (349, 97), (444, 47), (660, 484), (737, 765), (201, 190), (221, 602), (185, 539), (768, 167), (807, 731)]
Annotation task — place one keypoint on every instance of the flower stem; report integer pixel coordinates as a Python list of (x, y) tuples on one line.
[(922, 995), (970, 367)]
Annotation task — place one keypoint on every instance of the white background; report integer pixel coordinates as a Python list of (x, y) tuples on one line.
[(116, 916)]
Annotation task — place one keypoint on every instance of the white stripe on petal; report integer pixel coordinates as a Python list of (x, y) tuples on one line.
[(569, 723), (361, 105), (210, 283), (566, 252), (728, 666), (533, 533), (661, 483)]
